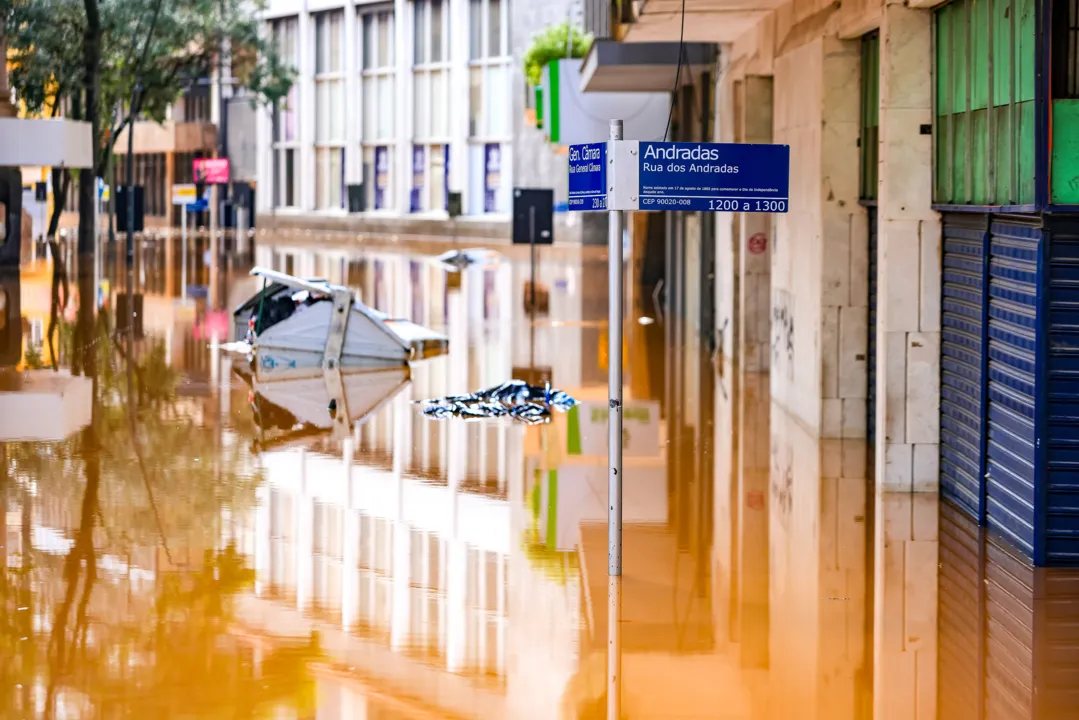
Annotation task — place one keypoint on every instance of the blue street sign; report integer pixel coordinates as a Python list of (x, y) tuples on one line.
[(588, 176), (727, 177), (199, 205)]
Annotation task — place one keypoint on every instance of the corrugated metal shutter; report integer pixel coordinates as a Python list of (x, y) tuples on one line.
[(1060, 393), (1010, 454), (962, 360), (961, 622), (871, 347)]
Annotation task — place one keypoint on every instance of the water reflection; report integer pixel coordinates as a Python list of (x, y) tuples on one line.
[(274, 554)]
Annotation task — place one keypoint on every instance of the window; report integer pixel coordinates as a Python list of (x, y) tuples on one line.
[(430, 86), (377, 79), (148, 173), (984, 101), (196, 103), (870, 120), (329, 110), (285, 113), (1064, 98), (489, 63), (488, 109)]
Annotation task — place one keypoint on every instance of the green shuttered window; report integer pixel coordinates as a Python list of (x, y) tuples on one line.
[(1064, 170), (984, 102), (870, 115)]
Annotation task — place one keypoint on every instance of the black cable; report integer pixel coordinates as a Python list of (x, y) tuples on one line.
[(678, 70)]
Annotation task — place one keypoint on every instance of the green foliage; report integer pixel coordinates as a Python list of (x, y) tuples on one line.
[(550, 44), (163, 47)]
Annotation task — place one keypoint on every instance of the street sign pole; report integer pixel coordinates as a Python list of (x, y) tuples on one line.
[(614, 376), (183, 252)]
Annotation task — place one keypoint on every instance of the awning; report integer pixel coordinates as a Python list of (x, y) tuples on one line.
[(613, 66)]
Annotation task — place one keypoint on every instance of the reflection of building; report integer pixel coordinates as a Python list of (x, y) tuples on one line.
[(395, 543)]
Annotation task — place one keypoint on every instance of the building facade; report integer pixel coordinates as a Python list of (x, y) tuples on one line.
[(918, 291), (395, 106)]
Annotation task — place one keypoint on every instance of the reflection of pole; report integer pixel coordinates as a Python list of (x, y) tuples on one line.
[(214, 249), (532, 251), (614, 647), (614, 380), (183, 252)]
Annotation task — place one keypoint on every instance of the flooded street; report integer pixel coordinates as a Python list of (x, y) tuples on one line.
[(186, 538)]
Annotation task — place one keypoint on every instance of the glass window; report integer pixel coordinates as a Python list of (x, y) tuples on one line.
[(437, 104), (329, 178), (329, 28), (494, 28), (495, 101), (419, 34), (475, 99), (385, 39), (489, 74), (368, 41), (435, 29), (475, 24), (385, 106), (285, 130), (377, 87), (420, 105), (290, 178)]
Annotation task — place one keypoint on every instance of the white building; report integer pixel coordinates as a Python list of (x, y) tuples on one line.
[(409, 98)]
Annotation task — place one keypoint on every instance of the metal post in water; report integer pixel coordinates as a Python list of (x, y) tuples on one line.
[(614, 374), (183, 252)]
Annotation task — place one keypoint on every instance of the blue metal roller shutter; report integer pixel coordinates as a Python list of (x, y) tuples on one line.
[(962, 360), (1060, 394), (961, 629), (871, 347), (1010, 453)]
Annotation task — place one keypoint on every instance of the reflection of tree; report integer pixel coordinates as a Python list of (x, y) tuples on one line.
[(142, 473)]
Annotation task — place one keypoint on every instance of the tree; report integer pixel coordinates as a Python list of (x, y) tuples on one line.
[(550, 44), (112, 62)]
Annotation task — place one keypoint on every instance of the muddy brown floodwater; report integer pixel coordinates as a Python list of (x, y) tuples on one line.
[(181, 540)]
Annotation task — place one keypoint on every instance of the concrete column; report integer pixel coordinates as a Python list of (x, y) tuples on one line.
[(305, 79), (905, 624), (908, 305), (755, 243), (819, 298), (402, 177), (353, 100), (459, 88)]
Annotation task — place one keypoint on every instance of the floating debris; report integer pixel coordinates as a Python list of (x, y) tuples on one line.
[(528, 404)]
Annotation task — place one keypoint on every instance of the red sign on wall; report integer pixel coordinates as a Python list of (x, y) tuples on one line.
[(212, 171), (758, 243)]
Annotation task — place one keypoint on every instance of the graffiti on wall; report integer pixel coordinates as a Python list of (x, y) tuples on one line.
[(783, 331), (782, 479)]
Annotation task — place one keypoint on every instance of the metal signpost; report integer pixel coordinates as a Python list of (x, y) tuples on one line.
[(184, 196), (622, 175), (533, 224)]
